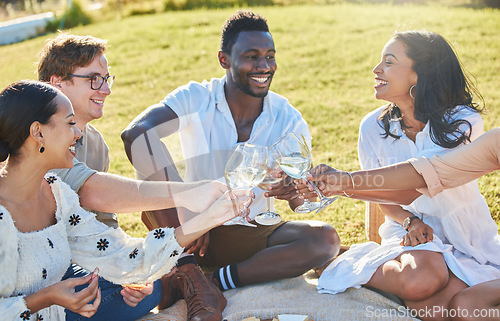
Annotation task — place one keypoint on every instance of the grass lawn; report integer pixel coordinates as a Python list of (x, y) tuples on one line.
[(325, 56)]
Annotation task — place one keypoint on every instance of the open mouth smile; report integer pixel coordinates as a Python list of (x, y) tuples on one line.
[(380, 82), (98, 101), (261, 79)]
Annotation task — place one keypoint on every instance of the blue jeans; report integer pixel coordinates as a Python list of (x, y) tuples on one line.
[(112, 306)]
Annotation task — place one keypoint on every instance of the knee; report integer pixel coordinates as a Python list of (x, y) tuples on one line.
[(462, 301), (425, 283), (324, 243)]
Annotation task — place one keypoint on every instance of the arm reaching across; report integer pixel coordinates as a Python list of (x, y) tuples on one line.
[(113, 193), (369, 185), (429, 176), (123, 259), (460, 166)]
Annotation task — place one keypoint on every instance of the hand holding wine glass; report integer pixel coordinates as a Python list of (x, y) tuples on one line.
[(328, 180), (246, 169), (294, 158)]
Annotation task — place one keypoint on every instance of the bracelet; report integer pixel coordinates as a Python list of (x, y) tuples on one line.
[(353, 187)]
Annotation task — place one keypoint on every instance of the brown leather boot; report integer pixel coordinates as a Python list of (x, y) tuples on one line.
[(170, 291), (210, 276), (205, 302)]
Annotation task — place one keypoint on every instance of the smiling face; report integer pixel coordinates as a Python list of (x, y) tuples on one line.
[(60, 135), (88, 103), (394, 74), (251, 64)]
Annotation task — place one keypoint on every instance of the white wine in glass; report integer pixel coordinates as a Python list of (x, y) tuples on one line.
[(244, 177), (294, 158), (295, 166), (245, 169), (273, 169)]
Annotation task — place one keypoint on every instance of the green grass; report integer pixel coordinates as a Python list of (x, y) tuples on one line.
[(325, 56)]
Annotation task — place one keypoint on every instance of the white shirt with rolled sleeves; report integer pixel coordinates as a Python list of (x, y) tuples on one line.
[(208, 133)]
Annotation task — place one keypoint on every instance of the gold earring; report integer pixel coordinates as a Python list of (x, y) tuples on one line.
[(42, 149)]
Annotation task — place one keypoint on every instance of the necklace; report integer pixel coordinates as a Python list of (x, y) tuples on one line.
[(410, 131)]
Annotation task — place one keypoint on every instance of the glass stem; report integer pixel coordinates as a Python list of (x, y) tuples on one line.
[(268, 205), (316, 190)]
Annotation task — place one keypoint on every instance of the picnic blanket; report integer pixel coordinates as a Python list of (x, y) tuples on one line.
[(297, 296)]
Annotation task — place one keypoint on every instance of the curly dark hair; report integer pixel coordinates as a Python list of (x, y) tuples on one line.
[(242, 20), (21, 104), (442, 85)]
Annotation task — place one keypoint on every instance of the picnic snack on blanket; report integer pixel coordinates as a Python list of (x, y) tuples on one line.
[(134, 286)]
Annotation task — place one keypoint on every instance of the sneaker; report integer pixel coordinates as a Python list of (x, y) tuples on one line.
[(205, 302), (170, 291)]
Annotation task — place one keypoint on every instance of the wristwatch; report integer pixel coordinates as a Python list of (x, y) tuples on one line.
[(408, 220)]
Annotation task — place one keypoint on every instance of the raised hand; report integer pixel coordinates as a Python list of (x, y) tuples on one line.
[(329, 180), (284, 189), (205, 193), (230, 205)]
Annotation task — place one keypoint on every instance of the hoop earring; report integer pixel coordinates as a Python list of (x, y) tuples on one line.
[(413, 97), (42, 149)]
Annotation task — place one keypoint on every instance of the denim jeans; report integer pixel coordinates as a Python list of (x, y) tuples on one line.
[(112, 306)]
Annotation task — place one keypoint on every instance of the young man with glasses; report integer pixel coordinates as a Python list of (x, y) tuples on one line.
[(77, 66)]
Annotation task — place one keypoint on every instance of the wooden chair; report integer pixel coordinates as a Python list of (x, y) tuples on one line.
[(374, 217)]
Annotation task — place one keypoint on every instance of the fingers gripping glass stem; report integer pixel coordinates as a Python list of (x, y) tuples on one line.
[(324, 201), (246, 168), (294, 158)]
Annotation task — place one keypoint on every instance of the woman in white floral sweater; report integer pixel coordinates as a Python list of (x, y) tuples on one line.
[(43, 228)]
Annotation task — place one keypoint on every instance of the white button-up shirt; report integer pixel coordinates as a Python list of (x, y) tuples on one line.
[(208, 133)]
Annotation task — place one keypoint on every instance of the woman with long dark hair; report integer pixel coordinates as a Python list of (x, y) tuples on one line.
[(450, 241), (430, 176), (43, 229)]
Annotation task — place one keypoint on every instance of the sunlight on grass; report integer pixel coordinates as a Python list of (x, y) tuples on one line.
[(325, 56)]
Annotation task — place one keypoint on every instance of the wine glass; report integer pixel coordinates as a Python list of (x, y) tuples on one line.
[(290, 152), (245, 169), (268, 217), (294, 158)]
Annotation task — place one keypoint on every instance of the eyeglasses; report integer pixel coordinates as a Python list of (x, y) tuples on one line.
[(96, 81)]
